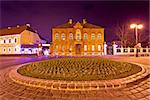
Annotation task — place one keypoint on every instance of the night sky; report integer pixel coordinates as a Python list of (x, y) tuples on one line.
[(43, 15)]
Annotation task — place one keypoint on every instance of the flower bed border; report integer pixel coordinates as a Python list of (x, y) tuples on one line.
[(75, 85)]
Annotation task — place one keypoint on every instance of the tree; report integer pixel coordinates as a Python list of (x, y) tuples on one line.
[(123, 33)]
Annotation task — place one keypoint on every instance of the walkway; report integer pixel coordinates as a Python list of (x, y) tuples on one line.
[(139, 90)]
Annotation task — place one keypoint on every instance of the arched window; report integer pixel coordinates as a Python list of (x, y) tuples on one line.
[(9, 49), (78, 35), (9, 40), (63, 48), (99, 36), (85, 47), (56, 48), (99, 47), (93, 47), (56, 36), (70, 36), (63, 36), (15, 40), (85, 36), (70, 48), (93, 36)]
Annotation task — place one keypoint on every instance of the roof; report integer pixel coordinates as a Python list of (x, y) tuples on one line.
[(15, 30), (86, 25)]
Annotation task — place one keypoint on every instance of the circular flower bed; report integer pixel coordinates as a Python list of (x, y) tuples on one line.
[(79, 69)]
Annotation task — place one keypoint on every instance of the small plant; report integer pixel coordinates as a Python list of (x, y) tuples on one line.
[(79, 69)]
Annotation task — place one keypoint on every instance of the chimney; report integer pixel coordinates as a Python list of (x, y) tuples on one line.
[(84, 21), (9, 27), (70, 21), (18, 26), (28, 25)]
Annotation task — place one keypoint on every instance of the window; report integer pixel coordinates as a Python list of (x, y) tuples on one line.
[(85, 47), (63, 36), (131, 50), (15, 40), (85, 36), (4, 41), (125, 50), (99, 36), (144, 50), (99, 47), (56, 48), (63, 48), (93, 36), (9, 40), (4, 49), (9, 49), (93, 47), (118, 50), (78, 34), (70, 49), (71, 36), (56, 36), (16, 49)]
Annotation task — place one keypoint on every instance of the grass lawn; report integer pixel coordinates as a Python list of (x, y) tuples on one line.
[(79, 69)]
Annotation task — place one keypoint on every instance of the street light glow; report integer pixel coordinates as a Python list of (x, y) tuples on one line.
[(140, 26), (133, 25)]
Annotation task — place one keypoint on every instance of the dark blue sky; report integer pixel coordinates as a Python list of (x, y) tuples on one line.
[(43, 15)]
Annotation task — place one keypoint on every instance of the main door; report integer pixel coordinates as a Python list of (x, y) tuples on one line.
[(78, 48)]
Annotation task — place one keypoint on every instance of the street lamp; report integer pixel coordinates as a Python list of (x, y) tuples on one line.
[(136, 27)]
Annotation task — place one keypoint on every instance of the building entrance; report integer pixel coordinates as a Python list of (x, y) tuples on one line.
[(78, 48)]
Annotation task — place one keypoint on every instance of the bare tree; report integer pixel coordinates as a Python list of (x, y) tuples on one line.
[(127, 35), (123, 33)]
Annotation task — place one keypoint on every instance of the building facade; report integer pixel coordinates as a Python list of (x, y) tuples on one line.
[(19, 40), (75, 38)]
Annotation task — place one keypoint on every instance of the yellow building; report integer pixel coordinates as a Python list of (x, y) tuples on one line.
[(19, 40), (75, 38)]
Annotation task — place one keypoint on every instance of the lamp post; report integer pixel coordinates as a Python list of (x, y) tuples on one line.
[(136, 27)]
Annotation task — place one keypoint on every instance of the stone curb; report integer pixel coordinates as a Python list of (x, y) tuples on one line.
[(76, 85)]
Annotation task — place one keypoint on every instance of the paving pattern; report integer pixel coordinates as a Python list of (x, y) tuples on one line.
[(9, 90)]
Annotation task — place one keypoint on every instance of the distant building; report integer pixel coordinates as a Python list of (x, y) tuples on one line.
[(19, 40), (75, 38)]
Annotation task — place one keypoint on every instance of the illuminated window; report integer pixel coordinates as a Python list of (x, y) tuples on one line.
[(99, 47), (15, 40), (85, 36), (78, 35), (71, 36), (9, 40), (56, 48), (93, 36), (63, 48), (63, 36), (93, 47), (56, 36), (70, 48), (85, 47), (99, 36)]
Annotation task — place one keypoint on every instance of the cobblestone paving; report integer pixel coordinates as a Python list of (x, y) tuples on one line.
[(10, 90)]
